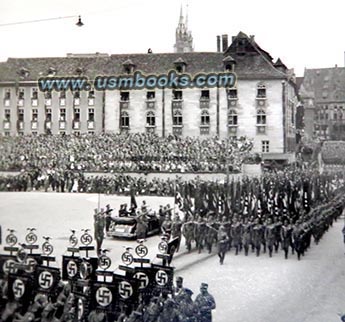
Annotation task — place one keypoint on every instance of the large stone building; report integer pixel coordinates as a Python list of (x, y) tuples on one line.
[(322, 92), (261, 106)]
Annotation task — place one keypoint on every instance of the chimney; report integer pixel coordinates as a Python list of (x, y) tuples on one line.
[(218, 44), (225, 42)]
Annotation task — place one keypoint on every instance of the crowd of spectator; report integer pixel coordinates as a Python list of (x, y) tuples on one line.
[(122, 153)]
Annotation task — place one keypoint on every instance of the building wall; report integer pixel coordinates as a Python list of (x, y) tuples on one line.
[(246, 107)]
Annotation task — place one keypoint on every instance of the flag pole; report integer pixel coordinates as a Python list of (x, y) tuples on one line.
[(174, 195)]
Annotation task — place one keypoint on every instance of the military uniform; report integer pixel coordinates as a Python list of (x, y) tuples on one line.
[(236, 231), (270, 236), (257, 237), (286, 240), (204, 304), (247, 235), (188, 233), (176, 230)]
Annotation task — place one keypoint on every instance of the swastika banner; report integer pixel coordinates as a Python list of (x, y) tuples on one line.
[(7, 265), (20, 288), (70, 268), (46, 279), (163, 276), (127, 289), (145, 277), (104, 296)]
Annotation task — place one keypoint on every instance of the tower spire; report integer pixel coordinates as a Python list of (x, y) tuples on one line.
[(184, 39), (181, 16)]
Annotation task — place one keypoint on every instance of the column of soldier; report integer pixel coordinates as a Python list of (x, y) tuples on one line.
[(31, 289), (260, 230)]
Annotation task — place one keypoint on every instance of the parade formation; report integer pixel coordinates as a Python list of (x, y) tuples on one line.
[(278, 214)]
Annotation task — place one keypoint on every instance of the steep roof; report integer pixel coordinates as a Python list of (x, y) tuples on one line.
[(113, 65), (254, 64), (251, 59), (325, 84)]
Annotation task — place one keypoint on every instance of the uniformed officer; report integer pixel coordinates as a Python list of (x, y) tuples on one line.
[(99, 225), (270, 235), (176, 229), (285, 234), (166, 226), (188, 232), (142, 225), (223, 240), (247, 234), (108, 212), (200, 232), (204, 304), (236, 231), (257, 236)]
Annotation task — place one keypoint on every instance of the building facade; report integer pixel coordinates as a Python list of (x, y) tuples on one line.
[(322, 92), (261, 106)]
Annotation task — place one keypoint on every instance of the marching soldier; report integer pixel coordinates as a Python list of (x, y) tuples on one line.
[(204, 304), (277, 232), (257, 236), (246, 235), (211, 234), (236, 231), (200, 232), (297, 238), (285, 234), (270, 236), (188, 232), (223, 240)]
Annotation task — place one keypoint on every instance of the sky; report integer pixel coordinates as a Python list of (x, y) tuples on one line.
[(303, 33)]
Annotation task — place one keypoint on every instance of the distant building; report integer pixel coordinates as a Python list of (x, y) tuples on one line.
[(184, 39), (322, 92), (261, 106)]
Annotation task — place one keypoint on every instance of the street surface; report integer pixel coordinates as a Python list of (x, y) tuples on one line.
[(249, 288)]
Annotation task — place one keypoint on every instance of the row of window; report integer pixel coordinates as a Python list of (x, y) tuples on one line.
[(48, 114), (124, 95), (150, 116)]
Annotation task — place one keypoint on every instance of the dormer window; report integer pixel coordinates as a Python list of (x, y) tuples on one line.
[(128, 66), (79, 71), (229, 63), (180, 65), (23, 72), (51, 71)]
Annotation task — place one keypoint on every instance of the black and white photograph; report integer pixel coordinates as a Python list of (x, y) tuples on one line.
[(172, 161)]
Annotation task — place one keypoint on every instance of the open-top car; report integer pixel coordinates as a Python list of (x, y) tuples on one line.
[(125, 227)]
